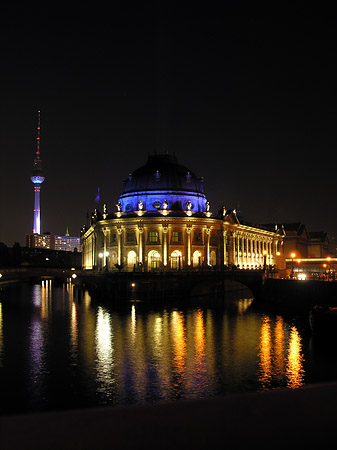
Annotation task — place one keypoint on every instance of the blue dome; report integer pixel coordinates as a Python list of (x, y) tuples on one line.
[(162, 179)]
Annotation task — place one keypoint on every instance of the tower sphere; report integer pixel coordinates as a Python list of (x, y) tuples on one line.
[(163, 181)]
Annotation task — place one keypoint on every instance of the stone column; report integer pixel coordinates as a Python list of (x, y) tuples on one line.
[(165, 231), (119, 242), (224, 233), (239, 247), (234, 249), (140, 244), (94, 251), (259, 252), (188, 230), (208, 234), (104, 246)]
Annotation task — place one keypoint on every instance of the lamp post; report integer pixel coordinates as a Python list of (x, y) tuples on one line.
[(104, 262), (179, 260), (292, 264), (329, 270), (264, 260)]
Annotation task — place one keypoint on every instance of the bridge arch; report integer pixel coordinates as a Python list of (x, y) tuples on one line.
[(216, 282)]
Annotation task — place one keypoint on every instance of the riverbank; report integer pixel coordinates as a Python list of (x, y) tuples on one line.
[(14, 281), (295, 295), (270, 419)]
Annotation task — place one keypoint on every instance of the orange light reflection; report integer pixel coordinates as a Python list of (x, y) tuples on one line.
[(295, 371)]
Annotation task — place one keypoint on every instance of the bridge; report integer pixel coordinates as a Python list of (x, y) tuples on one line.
[(292, 295), (183, 286), (157, 285), (14, 275)]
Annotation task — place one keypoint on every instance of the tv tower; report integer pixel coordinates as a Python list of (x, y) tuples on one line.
[(37, 179)]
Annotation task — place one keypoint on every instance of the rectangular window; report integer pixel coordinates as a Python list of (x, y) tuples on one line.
[(113, 238), (130, 237), (153, 237), (214, 241), (176, 236), (197, 237)]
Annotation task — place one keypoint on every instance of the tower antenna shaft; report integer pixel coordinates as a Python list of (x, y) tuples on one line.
[(38, 135)]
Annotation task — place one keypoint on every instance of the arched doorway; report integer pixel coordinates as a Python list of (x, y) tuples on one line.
[(113, 260), (153, 260), (213, 258), (176, 260), (197, 259), (132, 260)]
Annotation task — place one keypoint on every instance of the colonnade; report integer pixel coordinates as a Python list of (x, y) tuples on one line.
[(242, 248), (251, 250)]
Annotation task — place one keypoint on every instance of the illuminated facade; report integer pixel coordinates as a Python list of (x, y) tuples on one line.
[(54, 242), (164, 222)]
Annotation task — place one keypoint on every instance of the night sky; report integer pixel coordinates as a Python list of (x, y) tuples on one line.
[(244, 99)]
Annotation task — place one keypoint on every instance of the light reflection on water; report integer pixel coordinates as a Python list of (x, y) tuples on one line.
[(278, 361), (1, 336), (138, 354)]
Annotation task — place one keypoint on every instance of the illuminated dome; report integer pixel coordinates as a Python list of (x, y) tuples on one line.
[(163, 183)]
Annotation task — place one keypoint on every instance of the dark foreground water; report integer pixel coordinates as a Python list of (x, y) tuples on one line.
[(62, 350)]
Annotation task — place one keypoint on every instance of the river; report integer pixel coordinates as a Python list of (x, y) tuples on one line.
[(61, 349)]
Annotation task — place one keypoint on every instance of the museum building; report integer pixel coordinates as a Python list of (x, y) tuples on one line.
[(163, 221)]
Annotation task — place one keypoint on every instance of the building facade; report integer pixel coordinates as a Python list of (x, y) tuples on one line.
[(163, 221), (54, 242)]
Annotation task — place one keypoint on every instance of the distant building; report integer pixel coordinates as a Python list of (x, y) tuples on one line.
[(67, 243), (54, 242), (308, 253), (26, 257), (304, 244), (39, 241)]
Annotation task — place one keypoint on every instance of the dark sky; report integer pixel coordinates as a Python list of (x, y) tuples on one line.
[(246, 100)]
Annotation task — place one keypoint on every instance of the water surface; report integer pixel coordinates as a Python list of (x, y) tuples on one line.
[(61, 349)]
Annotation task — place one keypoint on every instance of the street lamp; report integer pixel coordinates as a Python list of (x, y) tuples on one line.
[(264, 260), (100, 255), (292, 264), (329, 259), (106, 261), (179, 259)]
